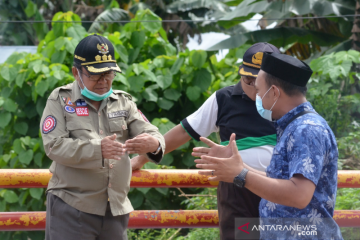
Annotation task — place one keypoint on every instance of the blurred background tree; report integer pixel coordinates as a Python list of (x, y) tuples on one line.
[(301, 36), (168, 81)]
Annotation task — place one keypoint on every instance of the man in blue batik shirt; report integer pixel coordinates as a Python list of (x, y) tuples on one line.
[(299, 189)]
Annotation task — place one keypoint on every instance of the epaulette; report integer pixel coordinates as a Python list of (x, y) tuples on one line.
[(128, 95), (55, 93)]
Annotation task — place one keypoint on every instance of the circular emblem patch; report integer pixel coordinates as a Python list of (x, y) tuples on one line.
[(69, 109), (49, 124)]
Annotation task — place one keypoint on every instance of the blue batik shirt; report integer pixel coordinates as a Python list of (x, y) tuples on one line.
[(308, 147)]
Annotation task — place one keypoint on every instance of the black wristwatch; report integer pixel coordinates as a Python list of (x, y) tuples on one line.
[(239, 180)]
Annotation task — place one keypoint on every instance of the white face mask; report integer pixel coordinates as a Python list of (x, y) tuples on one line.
[(265, 113)]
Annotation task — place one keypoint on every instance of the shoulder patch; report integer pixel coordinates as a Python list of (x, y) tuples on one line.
[(60, 90), (49, 124), (127, 95), (146, 120)]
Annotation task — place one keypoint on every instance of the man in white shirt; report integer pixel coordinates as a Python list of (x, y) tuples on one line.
[(231, 110)]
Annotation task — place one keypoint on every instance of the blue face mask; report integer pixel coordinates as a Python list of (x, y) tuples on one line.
[(91, 95), (260, 108)]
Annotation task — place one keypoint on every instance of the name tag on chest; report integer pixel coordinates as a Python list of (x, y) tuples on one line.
[(117, 114), (82, 111)]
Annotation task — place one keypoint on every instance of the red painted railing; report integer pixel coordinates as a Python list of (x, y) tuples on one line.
[(161, 178), (33, 221)]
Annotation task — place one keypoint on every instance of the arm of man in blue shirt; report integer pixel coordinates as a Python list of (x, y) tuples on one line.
[(295, 192)]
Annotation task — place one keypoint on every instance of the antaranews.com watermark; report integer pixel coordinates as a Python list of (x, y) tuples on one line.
[(283, 228), (307, 230)]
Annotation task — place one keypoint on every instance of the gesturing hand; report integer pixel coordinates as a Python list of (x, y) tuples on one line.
[(222, 169), (111, 149), (215, 150), (138, 162), (141, 144)]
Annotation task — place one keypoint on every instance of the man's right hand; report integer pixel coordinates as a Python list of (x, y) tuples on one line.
[(214, 150), (111, 149), (138, 162)]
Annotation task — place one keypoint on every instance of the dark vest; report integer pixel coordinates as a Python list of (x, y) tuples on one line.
[(237, 114)]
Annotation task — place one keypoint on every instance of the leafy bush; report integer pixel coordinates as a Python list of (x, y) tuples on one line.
[(334, 92), (167, 85)]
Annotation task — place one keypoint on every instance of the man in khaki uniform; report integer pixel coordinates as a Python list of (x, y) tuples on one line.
[(88, 130)]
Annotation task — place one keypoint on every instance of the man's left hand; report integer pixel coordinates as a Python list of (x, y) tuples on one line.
[(142, 144), (222, 169), (214, 150)]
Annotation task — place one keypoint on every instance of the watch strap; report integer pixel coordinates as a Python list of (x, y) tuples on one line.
[(157, 150), (243, 173), (241, 177)]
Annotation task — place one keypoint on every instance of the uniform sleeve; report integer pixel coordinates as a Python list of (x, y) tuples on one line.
[(202, 122), (306, 151), (138, 125), (62, 149)]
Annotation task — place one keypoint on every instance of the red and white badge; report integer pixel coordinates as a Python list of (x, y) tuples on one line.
[(49, 124), (82, 111), (146, 120)]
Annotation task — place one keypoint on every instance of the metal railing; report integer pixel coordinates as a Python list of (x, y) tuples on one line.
[(164, 178), (158, 178)]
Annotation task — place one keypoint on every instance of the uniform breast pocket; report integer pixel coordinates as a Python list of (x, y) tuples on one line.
[(119, 127), (80, 129)]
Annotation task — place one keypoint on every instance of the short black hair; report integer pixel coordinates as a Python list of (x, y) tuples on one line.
[(289, 88), (77, 65)]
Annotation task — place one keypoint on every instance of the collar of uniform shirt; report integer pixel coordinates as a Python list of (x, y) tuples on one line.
[(283, 121), (76, 94)]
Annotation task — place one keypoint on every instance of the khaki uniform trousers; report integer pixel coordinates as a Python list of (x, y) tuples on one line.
[(66, 222)]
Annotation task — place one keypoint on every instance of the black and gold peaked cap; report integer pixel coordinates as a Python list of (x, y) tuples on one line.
[(96, 54), (253, 58)]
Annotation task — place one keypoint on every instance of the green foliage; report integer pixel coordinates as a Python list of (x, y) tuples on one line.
[(334, 92), (176, 234), (348, 199), (21, 33), (207, 201), (166, 86), (152, 234), (201, 234), (301, 38)]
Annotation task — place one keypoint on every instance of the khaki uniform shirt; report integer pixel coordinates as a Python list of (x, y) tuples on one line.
[(81, 177)]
